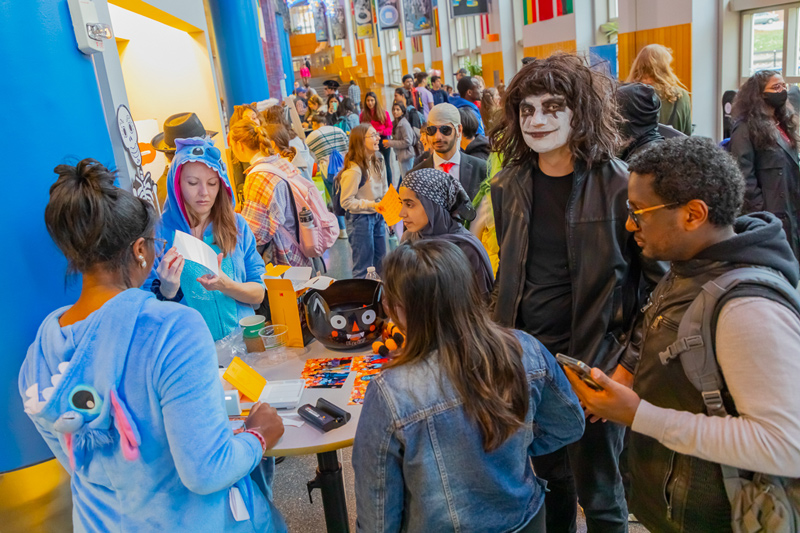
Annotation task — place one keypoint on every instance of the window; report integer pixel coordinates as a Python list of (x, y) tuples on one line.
[(391, 40), (395, 69), (302, 19), (613, 9), (462, 33), (771, 41)]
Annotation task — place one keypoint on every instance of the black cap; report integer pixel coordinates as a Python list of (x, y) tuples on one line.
[(179, 126)]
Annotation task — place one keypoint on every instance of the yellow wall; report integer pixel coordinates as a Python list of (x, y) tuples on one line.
[(158, 88), (678, 38), (545, 50), (303, 44), (492, 62)]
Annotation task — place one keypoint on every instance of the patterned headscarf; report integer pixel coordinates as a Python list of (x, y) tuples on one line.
[(438, 192)]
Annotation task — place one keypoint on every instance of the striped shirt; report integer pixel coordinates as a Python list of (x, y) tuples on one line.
[(323, 141)]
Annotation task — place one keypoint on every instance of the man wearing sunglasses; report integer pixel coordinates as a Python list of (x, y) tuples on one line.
[(570, 274), (444, 134), (684, 195)]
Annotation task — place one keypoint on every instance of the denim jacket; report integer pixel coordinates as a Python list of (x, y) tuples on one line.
[(419, 459)]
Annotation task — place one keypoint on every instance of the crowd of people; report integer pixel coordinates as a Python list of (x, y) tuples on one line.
[(567, 213)]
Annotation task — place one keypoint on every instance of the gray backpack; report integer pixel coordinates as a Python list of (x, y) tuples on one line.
[(764, 503)]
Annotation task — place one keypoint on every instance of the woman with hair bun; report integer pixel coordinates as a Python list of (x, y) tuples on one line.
[(125, 389), (200, 202), (268, 204)]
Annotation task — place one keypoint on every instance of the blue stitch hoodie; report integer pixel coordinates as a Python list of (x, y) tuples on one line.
[(220, 312), (129, 401)]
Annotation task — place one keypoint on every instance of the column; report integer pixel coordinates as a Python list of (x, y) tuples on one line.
[(272, 49), (519, 26), (408, 47), (447, 54), (427, 57), (241, 57), (351, 33), (508, 44)]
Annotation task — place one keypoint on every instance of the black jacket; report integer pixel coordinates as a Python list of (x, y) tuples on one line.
[(472, 172), (671, 492), (772, 178), (478, 147), (604, 260)]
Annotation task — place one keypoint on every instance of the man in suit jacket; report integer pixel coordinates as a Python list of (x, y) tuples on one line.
[(444, 132)]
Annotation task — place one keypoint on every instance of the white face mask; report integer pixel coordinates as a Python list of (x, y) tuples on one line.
[(545, 121)]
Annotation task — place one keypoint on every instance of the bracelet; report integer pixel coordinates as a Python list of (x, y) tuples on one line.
[(260, 439)]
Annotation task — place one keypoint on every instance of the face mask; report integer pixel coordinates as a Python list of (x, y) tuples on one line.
[(776, 100), (545, 125), (334, 106)]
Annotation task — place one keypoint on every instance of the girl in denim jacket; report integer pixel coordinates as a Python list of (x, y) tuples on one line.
[(448, 428)]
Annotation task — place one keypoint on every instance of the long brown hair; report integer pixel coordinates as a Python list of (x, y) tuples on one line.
[(239, 111), (446, 318), (749, 106), (357, 151), (278, 134), (222, 219), (377, 113), (490, 112), (653, 64), (594, 137), (275, 115)]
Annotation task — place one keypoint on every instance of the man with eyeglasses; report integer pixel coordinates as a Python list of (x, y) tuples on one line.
[(444, 134), (570, 274), (683, 199)]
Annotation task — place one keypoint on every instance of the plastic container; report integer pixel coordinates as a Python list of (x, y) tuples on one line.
[(274, 339), (372, 274)]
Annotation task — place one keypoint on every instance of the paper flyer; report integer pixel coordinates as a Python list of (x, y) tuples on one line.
[(390, 206), (326, 373), (366, 368), (195, 250)]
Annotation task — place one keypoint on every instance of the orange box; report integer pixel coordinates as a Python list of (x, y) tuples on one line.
[(244, 379)]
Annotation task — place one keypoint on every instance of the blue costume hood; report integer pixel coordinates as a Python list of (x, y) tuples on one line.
[(199, 150)]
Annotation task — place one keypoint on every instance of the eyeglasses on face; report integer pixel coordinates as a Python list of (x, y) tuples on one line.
[(633, 214), (446, 130)]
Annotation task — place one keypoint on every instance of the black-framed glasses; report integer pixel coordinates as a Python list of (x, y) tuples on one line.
[(633, 214), (446, 130)]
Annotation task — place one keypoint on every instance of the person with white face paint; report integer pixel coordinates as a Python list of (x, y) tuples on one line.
[(570, 274)]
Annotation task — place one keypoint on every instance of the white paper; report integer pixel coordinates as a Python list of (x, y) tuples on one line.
[(319, 283), (195, 250), (238, 508), (292, 420)]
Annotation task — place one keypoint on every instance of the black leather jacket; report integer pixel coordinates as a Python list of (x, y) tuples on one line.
[(772, 178), (608, 287)]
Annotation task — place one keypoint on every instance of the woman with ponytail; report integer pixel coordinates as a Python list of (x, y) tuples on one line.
[(200, 202), (268, 204), (125, 390), (455, 416)]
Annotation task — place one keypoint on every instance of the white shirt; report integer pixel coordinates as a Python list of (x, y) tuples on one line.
[(454, 170)]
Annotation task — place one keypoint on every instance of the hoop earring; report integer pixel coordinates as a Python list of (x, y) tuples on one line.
[(142, 261)]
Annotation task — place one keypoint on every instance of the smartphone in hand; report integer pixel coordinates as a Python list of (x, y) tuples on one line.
[(580, 368)]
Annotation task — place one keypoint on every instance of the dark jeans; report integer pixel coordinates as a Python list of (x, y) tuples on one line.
[(387, 158), (367, 236), (537, 523), (586, 471)]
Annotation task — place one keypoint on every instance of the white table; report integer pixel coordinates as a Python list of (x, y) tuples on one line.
[(307, 439)]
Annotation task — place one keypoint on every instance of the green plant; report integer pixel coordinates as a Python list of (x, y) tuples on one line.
[(474, 69), (610, 29)]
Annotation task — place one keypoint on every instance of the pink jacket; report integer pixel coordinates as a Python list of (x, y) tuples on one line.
[(385, 130)]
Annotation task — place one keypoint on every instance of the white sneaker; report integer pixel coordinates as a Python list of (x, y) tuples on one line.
[(342, 233)]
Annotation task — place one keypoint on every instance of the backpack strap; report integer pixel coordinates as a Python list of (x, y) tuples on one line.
[(272, 169), (697, 331)]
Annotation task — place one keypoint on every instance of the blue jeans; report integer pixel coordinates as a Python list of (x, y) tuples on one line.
[(329, 188), (367, 236)]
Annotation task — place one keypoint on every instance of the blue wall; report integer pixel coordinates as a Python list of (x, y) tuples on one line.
[(51, 112), (241, 56)]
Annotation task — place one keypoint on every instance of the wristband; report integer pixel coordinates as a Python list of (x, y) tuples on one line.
[(260, 439)]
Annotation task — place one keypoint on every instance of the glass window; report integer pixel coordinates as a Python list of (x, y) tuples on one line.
[(767, 41), (613, 9), (302, 18), (395, 70)]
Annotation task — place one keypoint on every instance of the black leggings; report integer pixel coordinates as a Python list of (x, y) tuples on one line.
[(387, 158), (537, 523)]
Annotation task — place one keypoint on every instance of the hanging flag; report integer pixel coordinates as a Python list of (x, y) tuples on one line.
[(566, 7), (529, 11), (436, 24), (546, 9), (388, 14), (418, 17), (466, 8), (338, 24), (320, 23), (365, 29)]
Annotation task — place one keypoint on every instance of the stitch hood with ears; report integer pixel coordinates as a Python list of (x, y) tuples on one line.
[(196, 149)]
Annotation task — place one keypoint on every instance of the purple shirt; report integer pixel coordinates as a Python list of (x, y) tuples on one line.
[(426, 97)]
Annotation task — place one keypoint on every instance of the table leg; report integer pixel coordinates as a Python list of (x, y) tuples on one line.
[(330, 482)]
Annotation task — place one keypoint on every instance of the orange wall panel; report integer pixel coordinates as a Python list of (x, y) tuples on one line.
[(492, 62), (545, 50), (303, 44), (678, 38)]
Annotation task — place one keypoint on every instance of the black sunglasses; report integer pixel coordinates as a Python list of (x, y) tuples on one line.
[(446, 130)]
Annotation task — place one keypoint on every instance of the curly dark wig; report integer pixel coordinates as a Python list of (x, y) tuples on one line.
[(589, 94), (749, 106), (693, 168)]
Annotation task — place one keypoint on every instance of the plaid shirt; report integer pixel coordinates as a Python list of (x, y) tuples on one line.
[(354, 93), (269, 210)]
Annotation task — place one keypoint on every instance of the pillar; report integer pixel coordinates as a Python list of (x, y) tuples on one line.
[(75, 111), (239, 50), (447, 54), (427, 57), (508, 44), (272, 48), (351, 33)]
